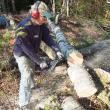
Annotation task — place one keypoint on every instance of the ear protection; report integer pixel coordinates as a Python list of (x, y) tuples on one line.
[(35, 14)]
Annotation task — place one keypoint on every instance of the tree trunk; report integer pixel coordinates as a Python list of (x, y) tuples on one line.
[(75, 61), (63, 6), (67, 6), (53, 6), (13, 5), (2, 8)]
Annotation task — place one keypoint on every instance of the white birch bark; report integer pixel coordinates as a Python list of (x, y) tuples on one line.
[(53, 6), (67, 7)]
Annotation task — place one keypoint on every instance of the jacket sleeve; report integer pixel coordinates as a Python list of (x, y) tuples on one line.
[(48, 39), (27, 47)]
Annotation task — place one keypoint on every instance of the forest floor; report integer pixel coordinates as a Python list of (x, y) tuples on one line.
[(54, 87)]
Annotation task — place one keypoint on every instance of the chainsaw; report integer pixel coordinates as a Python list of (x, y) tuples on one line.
[(52, 64)]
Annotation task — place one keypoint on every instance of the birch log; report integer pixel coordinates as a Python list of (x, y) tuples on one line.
[(81, 79)]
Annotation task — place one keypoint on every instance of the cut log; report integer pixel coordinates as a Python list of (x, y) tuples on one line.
[(75, 57), (82, 81)]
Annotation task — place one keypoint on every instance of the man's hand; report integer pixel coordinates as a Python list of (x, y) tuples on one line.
[(43, 65), (59, 55)]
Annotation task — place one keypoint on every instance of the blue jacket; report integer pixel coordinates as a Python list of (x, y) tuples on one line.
[(28, 39)]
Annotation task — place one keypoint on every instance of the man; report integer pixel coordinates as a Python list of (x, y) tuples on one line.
[(29, 34)]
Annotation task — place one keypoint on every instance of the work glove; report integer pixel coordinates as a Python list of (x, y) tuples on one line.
[(59, 55), (43, 65)]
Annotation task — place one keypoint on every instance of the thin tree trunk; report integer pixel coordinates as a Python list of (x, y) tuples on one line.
[(3, 6), (67, 6), (13, 5), (53, 6), (63, 6)]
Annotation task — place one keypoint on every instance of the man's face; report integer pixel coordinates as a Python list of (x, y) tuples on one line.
[(41, 20)]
